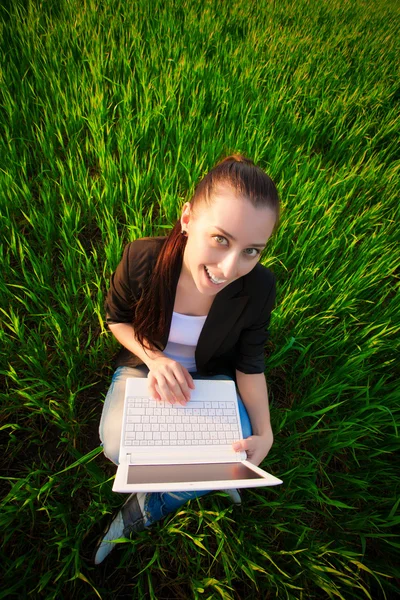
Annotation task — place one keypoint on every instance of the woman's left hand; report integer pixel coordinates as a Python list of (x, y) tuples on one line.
[(256, 446)]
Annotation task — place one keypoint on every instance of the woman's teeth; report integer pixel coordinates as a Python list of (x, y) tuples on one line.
[(213, 279)]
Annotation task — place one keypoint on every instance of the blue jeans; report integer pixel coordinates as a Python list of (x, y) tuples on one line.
[(157, 504)]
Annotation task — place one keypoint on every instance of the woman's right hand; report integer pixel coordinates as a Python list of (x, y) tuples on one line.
[(169, 380)]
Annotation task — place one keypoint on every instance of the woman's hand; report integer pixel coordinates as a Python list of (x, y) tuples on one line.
[(169, 380), (256, 446)]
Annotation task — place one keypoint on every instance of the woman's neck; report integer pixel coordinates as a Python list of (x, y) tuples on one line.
[(188, 299)]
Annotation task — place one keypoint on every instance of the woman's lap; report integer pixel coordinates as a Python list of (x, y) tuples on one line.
[(111, 417), (113, 408)]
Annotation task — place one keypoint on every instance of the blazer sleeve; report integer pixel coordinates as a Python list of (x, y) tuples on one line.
[(126, 283), (250, 356), (119, 303)]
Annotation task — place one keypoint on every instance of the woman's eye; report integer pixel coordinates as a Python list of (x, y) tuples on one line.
[(257, 252), (219, 237)]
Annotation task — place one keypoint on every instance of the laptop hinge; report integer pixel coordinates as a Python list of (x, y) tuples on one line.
[(178, 459)]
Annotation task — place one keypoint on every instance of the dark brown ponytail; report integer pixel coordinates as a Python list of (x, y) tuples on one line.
[(151, 310), (247, 180)]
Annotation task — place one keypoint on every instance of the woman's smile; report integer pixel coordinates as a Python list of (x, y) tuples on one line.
[(213, 278)]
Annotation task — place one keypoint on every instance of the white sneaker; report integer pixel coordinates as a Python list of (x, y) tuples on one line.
[(127, 521), (234, 496)]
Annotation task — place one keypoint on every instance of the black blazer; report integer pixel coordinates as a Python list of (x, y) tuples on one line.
[(236, 329)]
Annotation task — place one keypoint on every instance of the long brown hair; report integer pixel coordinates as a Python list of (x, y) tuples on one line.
[(247, 180)]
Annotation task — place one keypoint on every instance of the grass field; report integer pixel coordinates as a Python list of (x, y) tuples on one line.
[(111, 111)]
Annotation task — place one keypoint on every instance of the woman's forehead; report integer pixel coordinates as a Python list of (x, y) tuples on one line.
[(237, 216)]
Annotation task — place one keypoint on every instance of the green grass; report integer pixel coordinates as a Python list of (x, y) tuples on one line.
[(111, 111)]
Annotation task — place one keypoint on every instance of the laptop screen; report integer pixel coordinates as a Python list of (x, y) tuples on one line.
[(190, 472)]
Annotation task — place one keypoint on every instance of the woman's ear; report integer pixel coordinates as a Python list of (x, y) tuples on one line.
[(185, 216)]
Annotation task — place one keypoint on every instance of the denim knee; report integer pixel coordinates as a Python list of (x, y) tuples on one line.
[(111, 451)]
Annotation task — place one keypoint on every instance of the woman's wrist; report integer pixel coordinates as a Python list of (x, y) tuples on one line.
[(125, 334), (152, 359)]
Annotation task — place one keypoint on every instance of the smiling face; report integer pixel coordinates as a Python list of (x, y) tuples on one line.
[(224, 241)]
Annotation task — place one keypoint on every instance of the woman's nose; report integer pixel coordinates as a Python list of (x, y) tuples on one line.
[(229, 266)]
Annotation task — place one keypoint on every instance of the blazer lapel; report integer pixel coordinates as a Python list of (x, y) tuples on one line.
[(221, 319)]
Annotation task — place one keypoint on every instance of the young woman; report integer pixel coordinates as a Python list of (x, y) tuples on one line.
[(195, 304)]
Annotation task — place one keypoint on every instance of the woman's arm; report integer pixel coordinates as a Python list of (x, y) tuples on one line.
[(167, 379), (125, 334), (254, 393)]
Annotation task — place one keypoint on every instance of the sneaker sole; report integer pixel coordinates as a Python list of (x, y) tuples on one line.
[(136, 526)]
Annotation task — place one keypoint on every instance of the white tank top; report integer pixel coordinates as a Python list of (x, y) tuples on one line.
[(183, 337)]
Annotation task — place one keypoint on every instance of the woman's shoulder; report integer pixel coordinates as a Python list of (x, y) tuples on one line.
[(260, 277), (140, 255), (260, 286), (147, 242), (145, 246)]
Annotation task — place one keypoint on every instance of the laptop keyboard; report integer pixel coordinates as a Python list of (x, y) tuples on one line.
[(159, 423)]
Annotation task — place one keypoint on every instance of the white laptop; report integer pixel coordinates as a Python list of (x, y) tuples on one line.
[(170, 447)]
